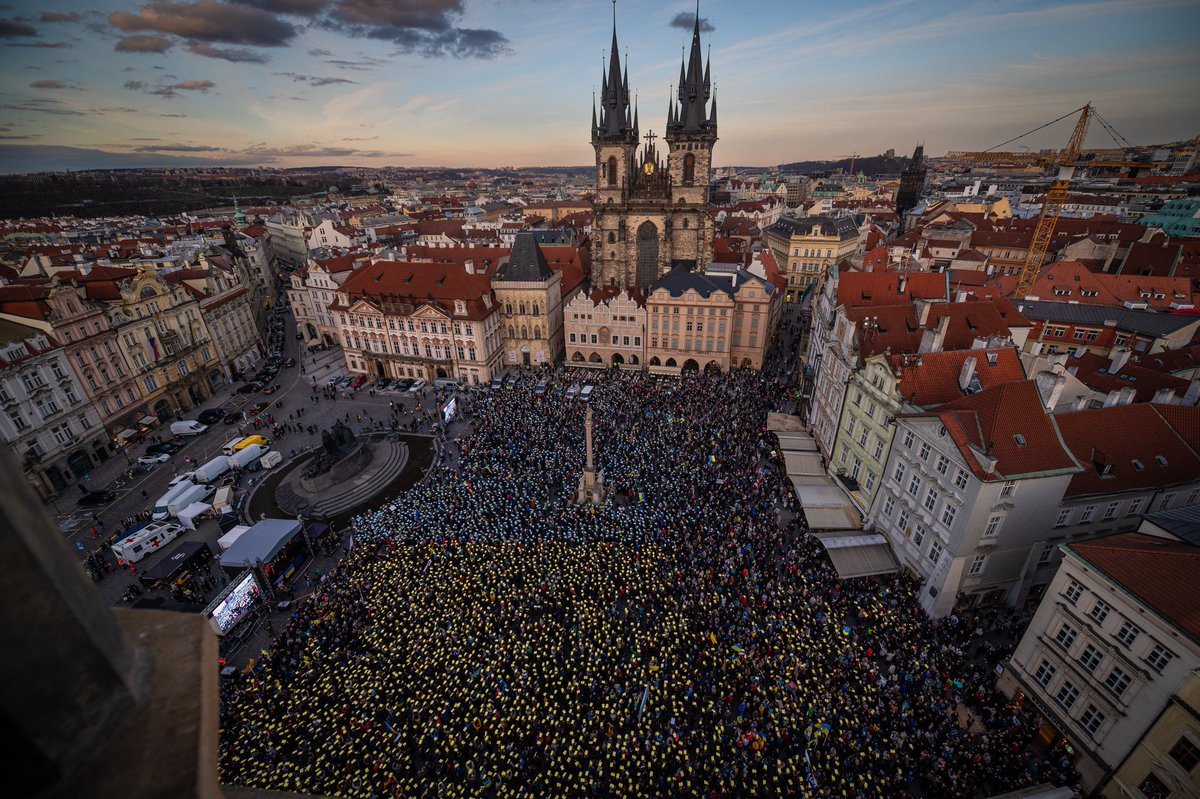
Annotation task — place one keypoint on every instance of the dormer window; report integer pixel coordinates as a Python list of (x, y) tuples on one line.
[(460, 307), (1161, 460)]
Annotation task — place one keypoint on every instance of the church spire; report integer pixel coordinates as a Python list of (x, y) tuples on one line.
[(615, 122), (695, 83)]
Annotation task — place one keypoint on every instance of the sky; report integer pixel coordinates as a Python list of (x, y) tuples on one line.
[(493, 83)]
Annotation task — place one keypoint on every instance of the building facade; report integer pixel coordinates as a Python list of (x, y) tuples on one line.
[(47, 420), (1113, 649), (530, 293), (606, 328), (806, 249), (649, 213)]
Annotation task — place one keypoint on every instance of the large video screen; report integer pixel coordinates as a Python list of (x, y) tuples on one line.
[(234, 607), (450, 411)]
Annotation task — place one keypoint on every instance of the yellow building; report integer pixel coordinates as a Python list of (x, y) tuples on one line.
[(1168, 755), (806, 248)]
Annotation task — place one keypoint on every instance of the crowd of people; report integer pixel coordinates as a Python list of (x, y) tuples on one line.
[(487, 636)]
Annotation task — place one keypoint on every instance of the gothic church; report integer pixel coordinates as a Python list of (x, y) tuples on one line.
[(648, 215)]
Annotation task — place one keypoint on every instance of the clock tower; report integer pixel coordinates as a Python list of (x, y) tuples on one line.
[(649, 215)]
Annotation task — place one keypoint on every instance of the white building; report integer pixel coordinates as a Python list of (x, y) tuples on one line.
[(1104, 658), (329, 234)]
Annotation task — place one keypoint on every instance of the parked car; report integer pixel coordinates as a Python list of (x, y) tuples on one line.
[(151, 460), (163, 448), (299, 337), (289, 363), (271, 389), (94, 498), (211, 415), (417, 386), (333, 381), (253, 387), (357, 381), (233, 417), (402, 384), (381, 383), (345, 382), (179, 478)]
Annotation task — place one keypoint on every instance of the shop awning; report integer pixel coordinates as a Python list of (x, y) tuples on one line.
[(803, 463), (261, 543), (180, 559), (780, 422), (824, 505), (859, 555), (148, 421), (796, 442), (127, 434)]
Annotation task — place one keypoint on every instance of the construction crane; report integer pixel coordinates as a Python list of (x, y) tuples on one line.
[(853, 157)]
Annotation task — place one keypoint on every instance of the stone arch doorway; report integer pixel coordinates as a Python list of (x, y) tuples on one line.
[(671, 362), (379, 369), (633, 359), (312, 332), (162, 409), (617, 359), (691, 366), (712, 368), (441, 372), (577, 357), (654, 361), (79, 463), (595, 358), (525, 359), (647, 254)]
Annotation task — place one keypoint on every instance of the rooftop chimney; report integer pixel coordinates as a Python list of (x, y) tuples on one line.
[(1192, 397), (469, 265), (932, 340), (1165, 396), (966, 373), (1120, 357)]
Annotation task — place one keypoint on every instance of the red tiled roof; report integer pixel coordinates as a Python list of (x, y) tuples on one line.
[(1092, 370), (1160, 573), (420, 283), (1127, 448), (935, 381), (992, 420), (1184, 421), (862, 289), (1172, 360)]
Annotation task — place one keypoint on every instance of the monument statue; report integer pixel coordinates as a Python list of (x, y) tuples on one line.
[(336, 443), (591, 482)]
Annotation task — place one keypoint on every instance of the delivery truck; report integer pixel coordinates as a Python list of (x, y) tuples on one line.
[(212, 470), (187, 428), (163, 503), (246, 456), (194, 493)]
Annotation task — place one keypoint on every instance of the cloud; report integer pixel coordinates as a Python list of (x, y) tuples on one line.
[(44, 45), (144, 44), (177, 148), (20, 136), (194, 85), (327, 81), (33, 106), (24, 158), (315, 151), (208, 21), (303, 8), (318, 53), (135, 85), (311, 80), (234, 54), (425, 28), (48, 84), (169, 89), (55, 16), (10, 28), (686, 20), (173, 116)]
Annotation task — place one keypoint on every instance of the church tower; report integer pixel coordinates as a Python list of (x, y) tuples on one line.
[(649, 216)]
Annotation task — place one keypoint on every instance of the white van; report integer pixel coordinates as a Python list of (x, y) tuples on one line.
[(227, 449), (189, 427), (586, 393), (162, 505), (446, 384), (246, 456), (145, 540), (212, 470)]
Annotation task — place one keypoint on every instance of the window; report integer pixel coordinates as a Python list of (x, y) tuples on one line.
[(1159, 657), (1073, 591), (960, 479), (1128, 633), (1010, 488), (1064, 518), (1066, 636), (902, 519), (1167, 498), (918, 535), (948, 514), (1099, 611), (977, 565), (942, 464), (1110, 511), (908, 439), (1067, 695), (1091, 719), (931, 498), (1087, 514), (862, 437), (993, 527), (870, 484), (1185, 753), (898, 475), (914, 485), (1152, 787), (924, 454), (1090, 658), (18, 420), (1117, 681), (935, 552), (878, 450), (1135, 507), (1045, 674), (889, 505), (850, 427)]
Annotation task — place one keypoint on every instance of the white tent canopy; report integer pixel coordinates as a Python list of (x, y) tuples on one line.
[(187, 516), (859, 555), (803, 463), (226, 541)]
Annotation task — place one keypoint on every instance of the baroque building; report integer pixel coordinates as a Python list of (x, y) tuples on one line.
[(649, 214)]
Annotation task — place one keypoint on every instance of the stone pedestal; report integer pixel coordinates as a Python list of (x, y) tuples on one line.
[(591, 487)]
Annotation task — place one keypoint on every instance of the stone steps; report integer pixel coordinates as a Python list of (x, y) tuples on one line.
[(393, 462)]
